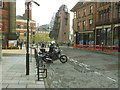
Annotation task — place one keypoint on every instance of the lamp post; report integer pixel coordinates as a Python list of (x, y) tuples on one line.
[(28, 24)]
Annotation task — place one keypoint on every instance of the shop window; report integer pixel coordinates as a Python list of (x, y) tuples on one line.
[(116, 36), (109, 36)]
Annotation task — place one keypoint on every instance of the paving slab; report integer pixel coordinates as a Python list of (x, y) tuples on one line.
[(35, 86), (16, 86), (14, 71)]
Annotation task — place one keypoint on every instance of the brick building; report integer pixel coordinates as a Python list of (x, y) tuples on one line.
[(61, 26), (84, 22), (21, 26), (107, 23), (98, 21), (7, 22)]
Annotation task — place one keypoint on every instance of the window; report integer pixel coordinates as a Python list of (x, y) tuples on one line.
[(101, 17), (104, 16), (78, 25), (91, 9), (18, 26), (33, 33), (74, 14), (18, 33), (24, 33), (119, 12), (107, 15), (84, 12), (79, 13), (1, 4), (84, 24), (25, 27), (90, 22)]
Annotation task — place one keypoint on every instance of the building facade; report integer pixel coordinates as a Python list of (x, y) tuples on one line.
[(98, 21), (21, 29), (84, 22), (61, 26), (7, 22), (44, 33), (21, 25), (108, 22)]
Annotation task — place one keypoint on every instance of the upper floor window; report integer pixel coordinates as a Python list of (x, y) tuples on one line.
[(24, 33), (1, 3), (84, 12), (119, 12), (90, 22), (25, 27), (18, 26), (18, 33), (91, 9), (84, 23), (78, 25), (33, 33), (74, 14), (79, 13)]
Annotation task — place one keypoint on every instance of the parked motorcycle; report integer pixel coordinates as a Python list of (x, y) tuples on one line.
[(53, 56)]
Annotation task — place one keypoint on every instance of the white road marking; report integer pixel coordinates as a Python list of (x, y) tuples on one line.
[(111, 79), (87, 68), (82, 64), (98, 73)]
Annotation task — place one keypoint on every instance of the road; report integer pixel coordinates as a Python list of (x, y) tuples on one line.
[(84, 69)]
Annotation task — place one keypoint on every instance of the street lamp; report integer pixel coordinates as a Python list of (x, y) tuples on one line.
[(28, 24)]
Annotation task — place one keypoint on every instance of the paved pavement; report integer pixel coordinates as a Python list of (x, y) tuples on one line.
[(14, 73)]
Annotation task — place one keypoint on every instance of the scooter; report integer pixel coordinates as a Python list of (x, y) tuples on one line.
[(53, 56)]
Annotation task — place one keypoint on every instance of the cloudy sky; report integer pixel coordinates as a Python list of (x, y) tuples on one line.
[(42, 14)]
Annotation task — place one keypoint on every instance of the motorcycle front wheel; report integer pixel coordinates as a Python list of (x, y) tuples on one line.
[(63, 58)]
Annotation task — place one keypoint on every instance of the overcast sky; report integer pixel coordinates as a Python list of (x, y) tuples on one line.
[(42, 14)]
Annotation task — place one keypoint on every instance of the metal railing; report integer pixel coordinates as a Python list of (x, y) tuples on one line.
[(40, 66), (97, 47)]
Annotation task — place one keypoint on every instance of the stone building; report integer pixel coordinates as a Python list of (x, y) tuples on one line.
[(7, 22), (61, 28)]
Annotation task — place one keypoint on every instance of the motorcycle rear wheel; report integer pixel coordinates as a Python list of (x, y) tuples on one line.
[(63, 58)]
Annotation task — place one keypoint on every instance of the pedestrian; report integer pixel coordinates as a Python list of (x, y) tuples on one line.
[(42, 46), (68, 44), (51, 48), (21, 45)]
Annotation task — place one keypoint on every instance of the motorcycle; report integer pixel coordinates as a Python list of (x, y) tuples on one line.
[(53, 56)]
